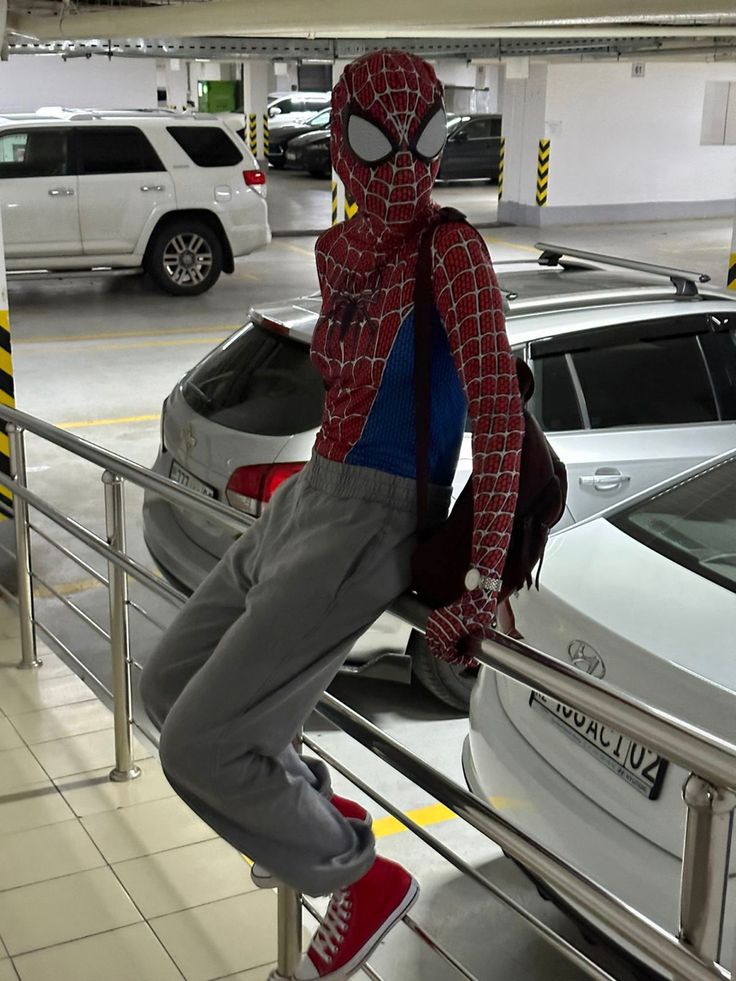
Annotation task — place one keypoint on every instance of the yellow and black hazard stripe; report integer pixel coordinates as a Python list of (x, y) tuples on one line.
[(334, 202), (7, 397), (266, 135), (351, 208), (501, 159), (253, 133), (732, 272), (542, 172)]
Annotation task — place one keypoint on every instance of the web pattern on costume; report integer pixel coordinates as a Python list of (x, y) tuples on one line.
[(367, 274)]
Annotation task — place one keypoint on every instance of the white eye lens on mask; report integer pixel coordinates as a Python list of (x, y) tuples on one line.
[(432, 136), (369, 143)]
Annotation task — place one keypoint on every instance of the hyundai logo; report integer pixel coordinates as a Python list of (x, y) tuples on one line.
[(188, 438), (586, 658)]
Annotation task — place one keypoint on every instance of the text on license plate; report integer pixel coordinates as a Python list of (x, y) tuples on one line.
[(183, 477), (640, 767)]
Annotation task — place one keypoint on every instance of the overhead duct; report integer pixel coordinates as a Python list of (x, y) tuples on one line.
[(355, 18)]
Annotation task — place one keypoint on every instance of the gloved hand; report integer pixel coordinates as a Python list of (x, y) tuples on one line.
[(449, 627)]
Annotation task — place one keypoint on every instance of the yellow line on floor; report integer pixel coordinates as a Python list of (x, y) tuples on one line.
[(298, 248), (123, 420), (177, 343), (423, 816), (116, 335), (67, 588), (510, 245)]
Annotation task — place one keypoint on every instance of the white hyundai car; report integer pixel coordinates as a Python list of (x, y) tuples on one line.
[(635, 380), (644, 595)]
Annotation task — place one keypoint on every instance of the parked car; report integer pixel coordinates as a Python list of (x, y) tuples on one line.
[(311, 152), (171, 194), (473, 148), (643, 595), (282, 134), (283, 108), (635, 380)]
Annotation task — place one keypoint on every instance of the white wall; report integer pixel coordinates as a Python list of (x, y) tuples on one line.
[(618, 139), (30, 81)]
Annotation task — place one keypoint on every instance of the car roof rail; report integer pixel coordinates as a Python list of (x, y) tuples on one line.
[(684, 281)]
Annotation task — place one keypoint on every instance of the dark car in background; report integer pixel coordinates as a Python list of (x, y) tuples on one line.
[(283, 133), (473, 148), (310, 152)]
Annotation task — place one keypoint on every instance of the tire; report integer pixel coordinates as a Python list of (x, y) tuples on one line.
[(184, 257), (278, 164), (451, 683)]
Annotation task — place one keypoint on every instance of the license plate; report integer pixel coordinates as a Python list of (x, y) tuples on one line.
[(183, 477), (640, 767)]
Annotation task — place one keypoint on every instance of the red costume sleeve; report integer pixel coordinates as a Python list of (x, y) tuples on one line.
[(471, 307)]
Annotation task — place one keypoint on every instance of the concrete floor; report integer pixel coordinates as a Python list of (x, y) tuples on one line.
[(98, 357)]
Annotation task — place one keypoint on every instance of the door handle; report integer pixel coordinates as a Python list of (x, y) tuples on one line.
[(152, 187), (605, 479), (61, 192)]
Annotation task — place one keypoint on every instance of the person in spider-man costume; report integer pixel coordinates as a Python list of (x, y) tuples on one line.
[(246, 660)]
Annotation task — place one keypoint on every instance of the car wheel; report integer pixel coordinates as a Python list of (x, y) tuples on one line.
[(451, 683), (185, 257), (278, 164)]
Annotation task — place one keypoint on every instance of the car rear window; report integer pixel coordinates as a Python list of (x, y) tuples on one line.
[(207, 146), (693, 523), (258, 382)]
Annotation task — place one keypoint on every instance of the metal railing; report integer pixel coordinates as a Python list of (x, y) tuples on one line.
[(709, 793)]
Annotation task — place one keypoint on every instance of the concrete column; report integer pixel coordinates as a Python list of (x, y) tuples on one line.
[(338, 188), (524, 111), (256, 77), (732, 261)]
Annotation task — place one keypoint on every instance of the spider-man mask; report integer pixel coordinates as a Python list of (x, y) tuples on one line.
[(388, 131)]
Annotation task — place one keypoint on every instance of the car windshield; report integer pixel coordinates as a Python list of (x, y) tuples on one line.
[(257, 381), (320, 119), (693, 523)]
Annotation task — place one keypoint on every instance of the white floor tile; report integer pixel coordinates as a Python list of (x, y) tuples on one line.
[(130, 954), (79, 754), (185, 877), (44, 853), (28, 691), (92, 792), (7, 971), (19, 768), (221, 938), (62, 721), (9, 738), (32, 807), (68, 908), (145, 828), (256, 974)]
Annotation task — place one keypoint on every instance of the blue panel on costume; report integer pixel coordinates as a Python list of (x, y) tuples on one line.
[(388, 440)]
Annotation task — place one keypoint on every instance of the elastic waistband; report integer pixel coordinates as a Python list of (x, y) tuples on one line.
[(366, 484)]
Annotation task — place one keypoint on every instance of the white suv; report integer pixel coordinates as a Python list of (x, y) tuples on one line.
[(174, 194)]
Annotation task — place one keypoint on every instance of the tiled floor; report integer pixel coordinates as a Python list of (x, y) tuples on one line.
[(102, 880)]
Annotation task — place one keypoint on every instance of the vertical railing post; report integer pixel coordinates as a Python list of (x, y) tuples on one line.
[(24, 573), (289, 921), (705, 863), (122, 689)]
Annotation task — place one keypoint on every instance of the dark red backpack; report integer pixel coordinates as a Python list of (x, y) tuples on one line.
[(443, 554)]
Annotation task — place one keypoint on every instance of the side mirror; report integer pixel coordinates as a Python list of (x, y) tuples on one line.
[(274, 111), (461, 137)]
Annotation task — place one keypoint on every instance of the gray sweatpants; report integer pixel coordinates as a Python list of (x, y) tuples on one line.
[(246, 660)]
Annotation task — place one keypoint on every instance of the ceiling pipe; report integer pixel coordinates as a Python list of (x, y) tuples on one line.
[(348, 18)]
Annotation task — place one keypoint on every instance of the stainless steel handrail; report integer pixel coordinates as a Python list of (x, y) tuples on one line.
[(708, 797)]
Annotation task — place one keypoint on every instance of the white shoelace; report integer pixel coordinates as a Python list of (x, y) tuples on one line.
[(328, 938)]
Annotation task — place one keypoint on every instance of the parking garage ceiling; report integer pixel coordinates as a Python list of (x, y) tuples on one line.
[(298, 29)]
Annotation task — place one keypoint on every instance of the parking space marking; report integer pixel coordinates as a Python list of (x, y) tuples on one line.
[(510, 245), (121, 421), (423, 816), (298, 248), (118, 335), (67, 588), (173, 343)]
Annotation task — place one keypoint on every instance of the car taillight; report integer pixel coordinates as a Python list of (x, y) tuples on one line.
[(253, 178), (249, 488)]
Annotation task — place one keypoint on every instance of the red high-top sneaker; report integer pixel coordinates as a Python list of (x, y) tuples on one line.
[(357, 920), (348, 808)]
